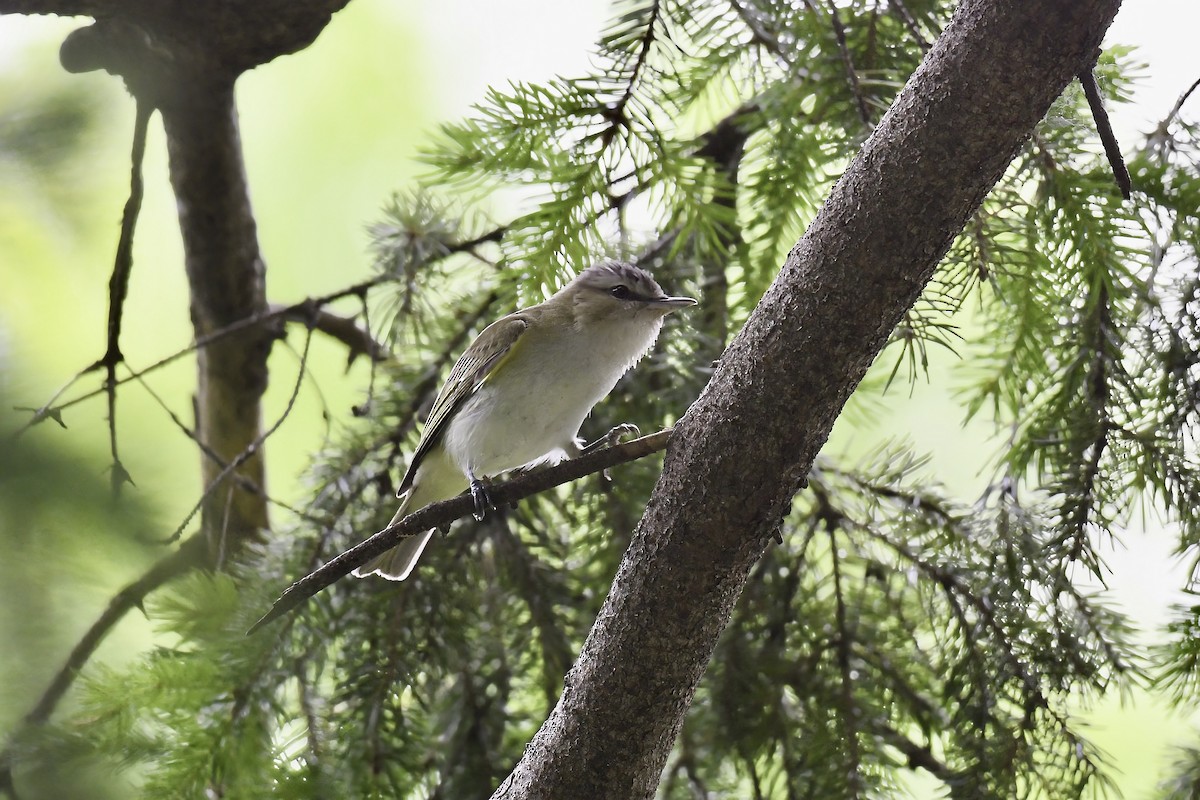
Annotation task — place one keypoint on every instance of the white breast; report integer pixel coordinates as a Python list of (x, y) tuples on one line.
[(531, 410)]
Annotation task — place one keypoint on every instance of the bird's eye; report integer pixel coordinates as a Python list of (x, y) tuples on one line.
[(621, 292)]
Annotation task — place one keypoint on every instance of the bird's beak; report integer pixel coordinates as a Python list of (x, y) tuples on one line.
[(672, 303)]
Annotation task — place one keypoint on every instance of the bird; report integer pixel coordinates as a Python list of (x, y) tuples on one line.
[(519, 394)]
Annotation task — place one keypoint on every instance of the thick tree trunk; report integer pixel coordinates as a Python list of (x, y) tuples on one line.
[(744, 447)]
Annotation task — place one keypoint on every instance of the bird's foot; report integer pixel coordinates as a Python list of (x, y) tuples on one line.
[(481, 499), (613, 437)]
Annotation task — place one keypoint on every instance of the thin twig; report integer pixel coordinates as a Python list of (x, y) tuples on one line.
[(438, 515), (248, 322), (358, 340), (251, 448), (118, 288), (851, 73), (244, 483), (48, 410), (1183, 98), (1091, 91), (910, 22)]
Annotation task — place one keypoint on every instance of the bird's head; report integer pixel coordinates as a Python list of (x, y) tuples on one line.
[(615, 290)]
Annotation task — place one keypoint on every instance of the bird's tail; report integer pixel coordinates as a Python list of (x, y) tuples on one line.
[(396, 563), (438, 478)]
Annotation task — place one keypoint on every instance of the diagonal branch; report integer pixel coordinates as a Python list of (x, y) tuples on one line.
[(189, 556), (440, 514), (358, 340), (275, 313), (1091, 90), (1183, 98), (839, 31), (739, 453)]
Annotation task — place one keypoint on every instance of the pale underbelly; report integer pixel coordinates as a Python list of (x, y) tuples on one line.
[(490, 434)]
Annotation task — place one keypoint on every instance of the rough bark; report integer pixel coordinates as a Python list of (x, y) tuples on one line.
[(743, 449)]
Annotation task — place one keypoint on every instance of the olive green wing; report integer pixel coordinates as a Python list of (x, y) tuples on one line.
[(468, 374)]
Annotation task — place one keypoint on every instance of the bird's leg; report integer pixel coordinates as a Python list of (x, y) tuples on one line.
[(611, 438), (479, 496)]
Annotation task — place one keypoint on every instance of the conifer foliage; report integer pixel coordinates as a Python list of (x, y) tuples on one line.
[(896, 635)]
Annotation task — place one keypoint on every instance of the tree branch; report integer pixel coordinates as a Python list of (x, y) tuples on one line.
[(226, 281), (188, 556), (438, 515), (358, 340), (1091, 90), (275, 314), (1175, 109), (118, 287), (139, 38), (839, 31), (739, 454)]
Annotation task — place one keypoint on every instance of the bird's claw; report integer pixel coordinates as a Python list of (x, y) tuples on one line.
[(613, 437), (479, 496)]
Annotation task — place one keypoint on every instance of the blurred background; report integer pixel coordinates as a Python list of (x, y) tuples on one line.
[(329, 134)]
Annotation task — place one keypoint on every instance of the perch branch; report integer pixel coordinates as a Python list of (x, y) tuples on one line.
[(440, 514)]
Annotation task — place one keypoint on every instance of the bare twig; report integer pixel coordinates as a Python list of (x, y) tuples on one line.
[(911, 23), (118, 289), (48, 410), (851, 73), (1183, 98), (252, 448), (358, 340), (440, 514), (358, 289), (243, 482), (1091, 90)]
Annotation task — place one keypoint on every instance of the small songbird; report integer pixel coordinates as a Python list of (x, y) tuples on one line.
[(521, 391)]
